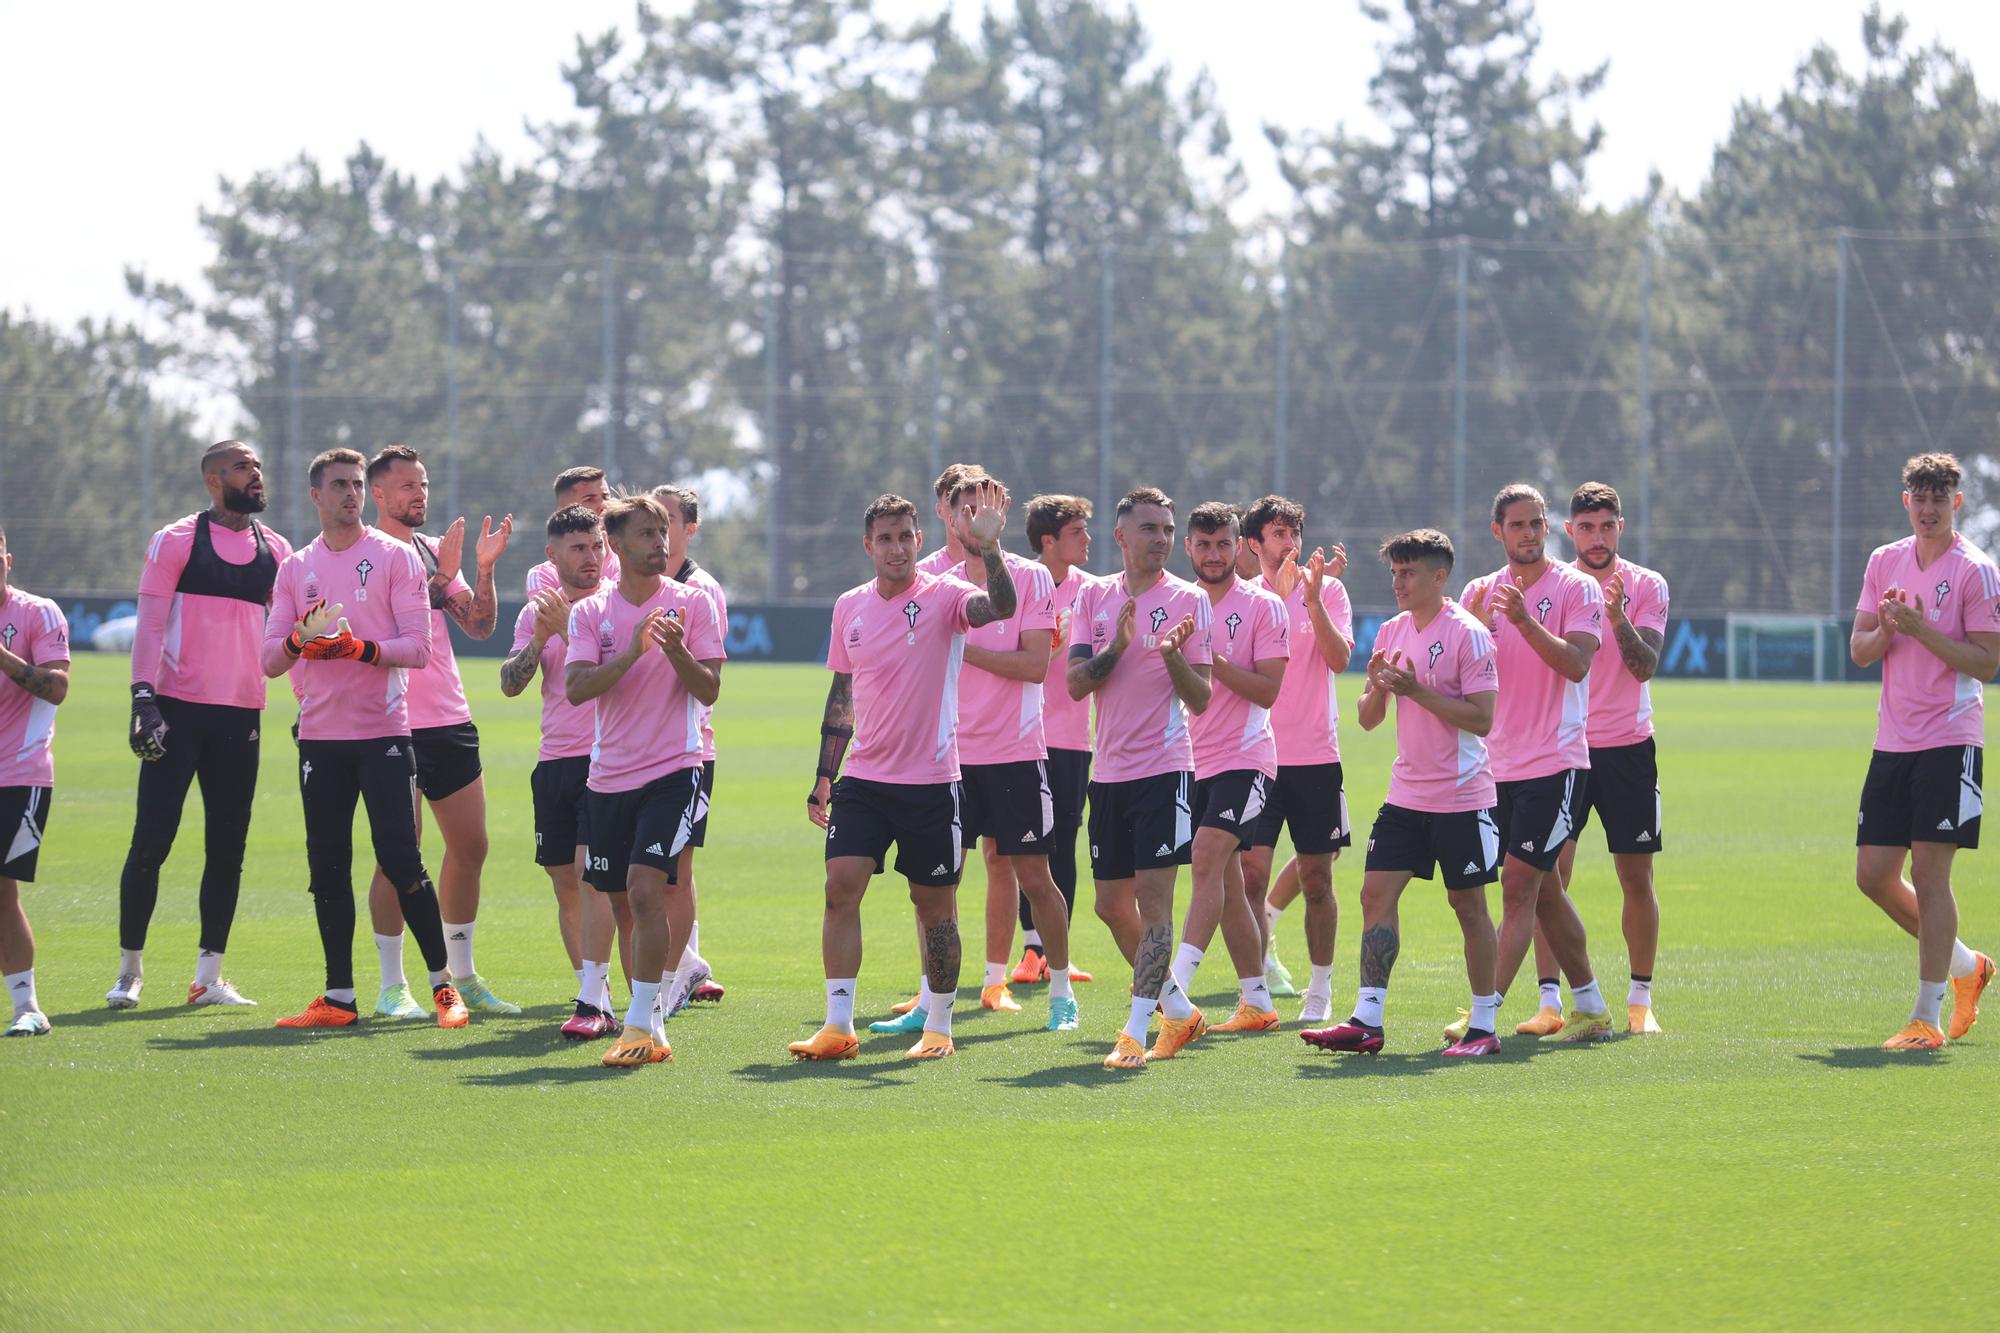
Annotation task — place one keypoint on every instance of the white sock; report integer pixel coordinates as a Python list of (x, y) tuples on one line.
[(458, 949), (1552, 993), (690, 959), (937, 1012), (1964, 962), (1271, 914), (1186, 959), (840, 1003), (345, 996), (1033, 939), (1588, 999), (591, 986), (996, 974), (694, 940), (1141, 1019), (1640, 992), (669, 981), (437, 979), (640, 1015), (389, 954), (1059, 983), (1322, 981), (1485, 1012), (207, 967), (1368, 1003), (1174, 1001), (1255, 993), (21, 990), (1930, 999), (131, 963), (682, 982)]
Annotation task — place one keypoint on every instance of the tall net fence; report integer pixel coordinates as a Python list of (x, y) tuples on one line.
[(1751, 400)]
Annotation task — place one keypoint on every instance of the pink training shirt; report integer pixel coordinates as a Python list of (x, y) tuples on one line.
[(380, 588), (1925, 704), (1142, 726), (648, 725), (194, 647), (1246, 627), (568, 730), (904, 653), (939, 563), (1440, 769), (1621, 705), (544, 575), (437, 693), (1000, 720), (697, 577), (34, 630), (1065, 721), (1541, 724), (1307, 714)]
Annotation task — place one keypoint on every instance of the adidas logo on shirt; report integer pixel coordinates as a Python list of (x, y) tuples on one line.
[(655, 850)]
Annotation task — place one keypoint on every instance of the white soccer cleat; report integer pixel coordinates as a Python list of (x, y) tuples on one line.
[(31, 1024), (124, 992), (218, 992), (1318, 1009)]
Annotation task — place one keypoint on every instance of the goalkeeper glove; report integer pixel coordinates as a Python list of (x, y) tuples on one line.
[(149, 729), (341, 646)]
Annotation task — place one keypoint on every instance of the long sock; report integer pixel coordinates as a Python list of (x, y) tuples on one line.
[(1552, 993), (1964, 962), (333, 913), (1322, 981), (1588, 999), (591, 987), (1174, 1001), (668, 984), (694, 941), (131, 963), (1640, 991), (1186, 959), (1485, 1012), (341, 994), (420, 914), (21, 990), (1141, 1019), (640, 1014), (1271, 914), (1368, 1003), (1255, 993), (436, 977), (996, 974), (840, 1003), (1032, 939), (458, 949), (1930, 999), (937, 1012), (580, 991), (1059, 984), (207, 967), (389, 956)]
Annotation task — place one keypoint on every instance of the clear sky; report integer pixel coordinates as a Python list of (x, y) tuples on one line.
[(121, 116)]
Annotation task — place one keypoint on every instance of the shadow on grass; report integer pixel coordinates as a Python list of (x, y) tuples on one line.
[(868, 1075), (101, 1015), (544, 1076), (516, 1041), (266, 1036), (1873, 1057)]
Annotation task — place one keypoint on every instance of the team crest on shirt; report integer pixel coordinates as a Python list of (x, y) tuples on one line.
[(1436, 651), (1159, 618), (7, 636), (911, 610), (1542, 609), (1943, 591), (1235, 622)]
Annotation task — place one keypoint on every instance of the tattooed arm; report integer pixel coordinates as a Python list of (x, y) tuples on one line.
[(999, 599), (47, 681), (836, 729), (518, 670), (478, 611), (1639, 647)]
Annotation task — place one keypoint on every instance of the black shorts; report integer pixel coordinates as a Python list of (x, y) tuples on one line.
[(1312, 800), (700, 837), (647, 826), (1624, 789), (1009, 803), (1923, 796), (1231, 801), (1538, 815), (24, 816), (1069, 784), (1139, 825), (561, 791), (447, 759), (921, 820), (1466, 843)]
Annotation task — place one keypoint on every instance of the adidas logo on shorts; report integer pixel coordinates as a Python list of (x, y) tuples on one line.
[(1644, 837), (1528, 846), (1228, 814), (1164, 850), (1029, 836), (395, 749), (655, 850), (940, 870), (1471, 868), (1944, 824)]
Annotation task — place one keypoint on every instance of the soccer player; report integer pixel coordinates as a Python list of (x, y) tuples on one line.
[(950, 554), (1235, 761), (197, 700), (1624, 773), (350, 619), (34, 659), (1930, 614), (562, 770), (1144, 658), (1309, 794), (1440, 664), (441, 731), (1546, 618), (1059, 534), (649, 651), (575, 486), (895, 650)]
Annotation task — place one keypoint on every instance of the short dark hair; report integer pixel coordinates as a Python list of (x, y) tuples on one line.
[(1048, 515), (319, 465), (682, 498), (389, 457), (1932, 474), (1143, 495), (570, 478), (1213, 516), (1273, 509), (217, 450), (956, 475), (1593, 496), (572, 518), (1514, 492), (885, 506), (1423, 545), (620, 510), (971, 480)]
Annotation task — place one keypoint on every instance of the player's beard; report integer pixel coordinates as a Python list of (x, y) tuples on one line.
[(1227, 573), (239, 500), (1599, 559), (411, 515), (1533, 558)]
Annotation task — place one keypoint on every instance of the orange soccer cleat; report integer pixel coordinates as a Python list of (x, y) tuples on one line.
[(450, 1006), (1916, 1035), (636, 1046), (321, 1013), (1032, 968), (1965, 997), (829, 1043), (1127, 1054), (997, 997), (1176, 1033), (932, 1046), (1249, 1019)]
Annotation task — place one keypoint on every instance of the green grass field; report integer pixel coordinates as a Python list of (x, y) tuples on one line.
[(1761, 1164)]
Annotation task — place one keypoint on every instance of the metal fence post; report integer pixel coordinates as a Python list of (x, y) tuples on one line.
[(1281, 424), (1839, 419), (774, 570), (145, 411), (1461, 533), (610, 339), (295, 428), (937, 366), (1106, 372), (1646, 399), (451, 491)]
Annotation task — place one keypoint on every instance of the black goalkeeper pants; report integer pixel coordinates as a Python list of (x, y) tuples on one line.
[(217, 746)]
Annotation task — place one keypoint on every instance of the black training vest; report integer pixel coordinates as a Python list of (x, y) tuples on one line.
[(209, 575)]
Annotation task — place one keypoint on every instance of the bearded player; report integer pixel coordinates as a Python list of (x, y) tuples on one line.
[(34, 679), (1930, 614), (197, 709)]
